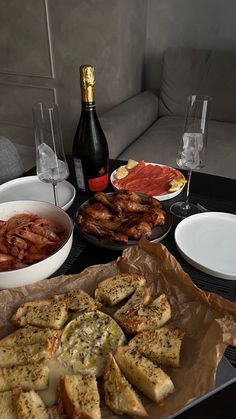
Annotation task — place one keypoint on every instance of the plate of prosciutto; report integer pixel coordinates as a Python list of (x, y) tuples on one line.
[(157, 180)]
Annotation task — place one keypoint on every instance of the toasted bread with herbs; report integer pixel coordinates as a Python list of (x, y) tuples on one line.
[(80, 397), (126, 313), (31, 376), (144, 374), (143, 317), (30, 405), (116, 288), (120, 397), (78, 300), (43, 313), (162, 345), (30, 335), (7, 405), (21, 355)]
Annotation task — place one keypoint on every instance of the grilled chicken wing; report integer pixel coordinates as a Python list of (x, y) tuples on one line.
[(98, 210), (91, 226), (121, 216)]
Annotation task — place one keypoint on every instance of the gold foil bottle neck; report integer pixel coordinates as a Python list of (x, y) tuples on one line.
[(87, 82)]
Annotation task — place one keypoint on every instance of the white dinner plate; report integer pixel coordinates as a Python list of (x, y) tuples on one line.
[(159, 197), (31, 188), (208, 242)]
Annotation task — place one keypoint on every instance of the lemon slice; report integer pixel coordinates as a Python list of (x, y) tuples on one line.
[(176, 184), (131, 164), (121, 172)]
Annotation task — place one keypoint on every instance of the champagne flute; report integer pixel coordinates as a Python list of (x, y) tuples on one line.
[(50, 157), (192, 149)]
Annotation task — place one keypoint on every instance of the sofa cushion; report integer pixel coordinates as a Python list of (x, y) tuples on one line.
[(187, 71), (159, 144), (124, 123)]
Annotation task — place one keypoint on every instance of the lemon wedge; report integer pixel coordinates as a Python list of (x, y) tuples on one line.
[(131, 164), (176, 184), (121, 172)]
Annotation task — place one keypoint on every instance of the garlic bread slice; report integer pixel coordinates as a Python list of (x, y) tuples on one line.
[(125, 316), (30, 335), (7, 405), (29, 377), (116, 288), (144, 374), (42, 313), (30, 405), (12, 355), (162, 345), (119, 395), (80, 397), (78, 300), (153, 315)]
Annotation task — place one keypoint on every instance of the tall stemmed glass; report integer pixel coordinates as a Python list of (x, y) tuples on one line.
[(50, 157), (192, 149)]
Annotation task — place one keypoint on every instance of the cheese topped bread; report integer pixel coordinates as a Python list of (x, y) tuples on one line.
[(22, 355), (162, 345), (116, 288), (42, 313), (7, 405), (144, 374), (124, 316), (119, 395), (144, 317), (29, 405), (80, 396), (31, 376), (78, 300), (86, 341), (30, 335)]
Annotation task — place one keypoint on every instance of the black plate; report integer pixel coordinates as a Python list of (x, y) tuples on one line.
[(158, 232)]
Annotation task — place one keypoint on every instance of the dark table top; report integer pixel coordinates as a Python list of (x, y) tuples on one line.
[(212, 192)]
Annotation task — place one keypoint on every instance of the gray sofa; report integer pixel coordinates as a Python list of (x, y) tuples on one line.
[(149, 126)]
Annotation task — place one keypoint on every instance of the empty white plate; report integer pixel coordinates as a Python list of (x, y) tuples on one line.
[(31, 188), (208, 242)]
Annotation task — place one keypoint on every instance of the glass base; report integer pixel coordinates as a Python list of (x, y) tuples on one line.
[(183, 209)]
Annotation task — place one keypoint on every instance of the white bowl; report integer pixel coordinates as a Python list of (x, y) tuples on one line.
[(46, 267)]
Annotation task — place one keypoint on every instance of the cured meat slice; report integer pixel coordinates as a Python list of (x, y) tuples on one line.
[(149, 179)]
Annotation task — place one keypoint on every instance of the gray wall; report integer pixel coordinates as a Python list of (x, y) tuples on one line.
[(42, 45), (194, 23)]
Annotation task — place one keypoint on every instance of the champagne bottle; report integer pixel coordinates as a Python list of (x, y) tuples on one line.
[(90, 150)]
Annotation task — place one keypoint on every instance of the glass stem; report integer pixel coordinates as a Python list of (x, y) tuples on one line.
[(187, 188), (55, 194)]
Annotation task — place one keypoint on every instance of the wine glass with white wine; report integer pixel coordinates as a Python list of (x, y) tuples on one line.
[(192, 150), (50, 157)]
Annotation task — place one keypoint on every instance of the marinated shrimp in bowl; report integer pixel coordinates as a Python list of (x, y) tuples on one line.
[(27, 238)]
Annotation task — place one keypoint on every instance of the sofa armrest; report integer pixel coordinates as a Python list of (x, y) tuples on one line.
[(126, 122)]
